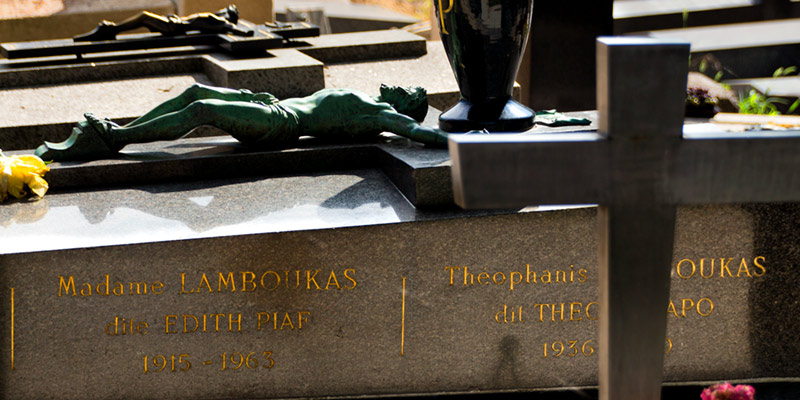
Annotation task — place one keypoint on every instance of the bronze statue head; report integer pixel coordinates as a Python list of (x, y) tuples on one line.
[(411, 101)]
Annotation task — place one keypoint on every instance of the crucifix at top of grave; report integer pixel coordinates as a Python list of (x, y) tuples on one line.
[(638, 166), (223, 29)]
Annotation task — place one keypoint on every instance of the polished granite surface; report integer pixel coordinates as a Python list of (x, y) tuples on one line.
[(188, 210)]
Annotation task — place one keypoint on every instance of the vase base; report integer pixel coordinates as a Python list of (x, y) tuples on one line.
[(510, 116)]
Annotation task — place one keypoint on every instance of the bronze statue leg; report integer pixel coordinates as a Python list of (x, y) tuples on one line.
[(247, 122), (108, 30), (197, 91)]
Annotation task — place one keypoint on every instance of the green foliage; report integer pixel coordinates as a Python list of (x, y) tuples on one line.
[(685, 17), (784, 71), (757, 103)]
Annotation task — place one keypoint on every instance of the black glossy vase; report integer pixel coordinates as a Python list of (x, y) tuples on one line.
[(484, 40)]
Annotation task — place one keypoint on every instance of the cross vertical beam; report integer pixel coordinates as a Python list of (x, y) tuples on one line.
[(644, 117), (627, 167)]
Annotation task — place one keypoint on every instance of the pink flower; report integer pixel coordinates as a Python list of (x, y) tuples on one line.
[(726, 391)]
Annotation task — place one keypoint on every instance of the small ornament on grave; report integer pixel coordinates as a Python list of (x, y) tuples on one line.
[(18, 171), (700, 104), (484, 42), (554, 118), (726, 391), (257, 120)]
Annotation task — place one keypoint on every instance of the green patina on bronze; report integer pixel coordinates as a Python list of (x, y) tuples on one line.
[(257, 119)]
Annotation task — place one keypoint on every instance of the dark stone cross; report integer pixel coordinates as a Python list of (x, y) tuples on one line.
[(638, 167), (265, 36)]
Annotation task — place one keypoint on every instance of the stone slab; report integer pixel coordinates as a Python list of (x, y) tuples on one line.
[(393, 319), (253, 10), (75, 17), (431, 71), (344, 16), (788, 86), (746, 50), (643, 15)]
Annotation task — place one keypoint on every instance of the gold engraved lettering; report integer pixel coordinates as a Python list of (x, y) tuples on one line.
[(759, 266), (703, 307), (67, 287), (216, 320), (169, 320), (311, 278), (502, 278), (287, 323), (710, 307), (512, 316), (261, 318), (671, 309), (87, 290), (12, 328), (702, 273), (157, 287), (723, 266), (541, 310), (452, 273), (349, 278), (248, 278), (225, 282), (589, 316), (403, 318), (332, 278), (685, 275), (516, 278), (743, 266), (683, 308), (687, 268), (126, 326), (238, 322), (203, 280), (575, 310), (190, 317), (528, 274), (69, 284), (277, 279), (183, 284), (141, 287), (560, 312)]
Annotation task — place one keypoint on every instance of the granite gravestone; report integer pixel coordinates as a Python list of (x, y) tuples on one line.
[(639, 169), (743, 50), (318, 278)]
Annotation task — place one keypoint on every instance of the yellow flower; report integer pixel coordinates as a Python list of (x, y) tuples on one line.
[(18, 171)]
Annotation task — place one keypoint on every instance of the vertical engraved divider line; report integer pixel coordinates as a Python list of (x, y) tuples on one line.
[(403, 321), (12, 328)]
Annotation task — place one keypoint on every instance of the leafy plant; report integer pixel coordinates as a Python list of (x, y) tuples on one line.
[(757, 103), (784, 71)]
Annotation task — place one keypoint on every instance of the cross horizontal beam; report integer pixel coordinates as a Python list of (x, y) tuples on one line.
[(507, 171)]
